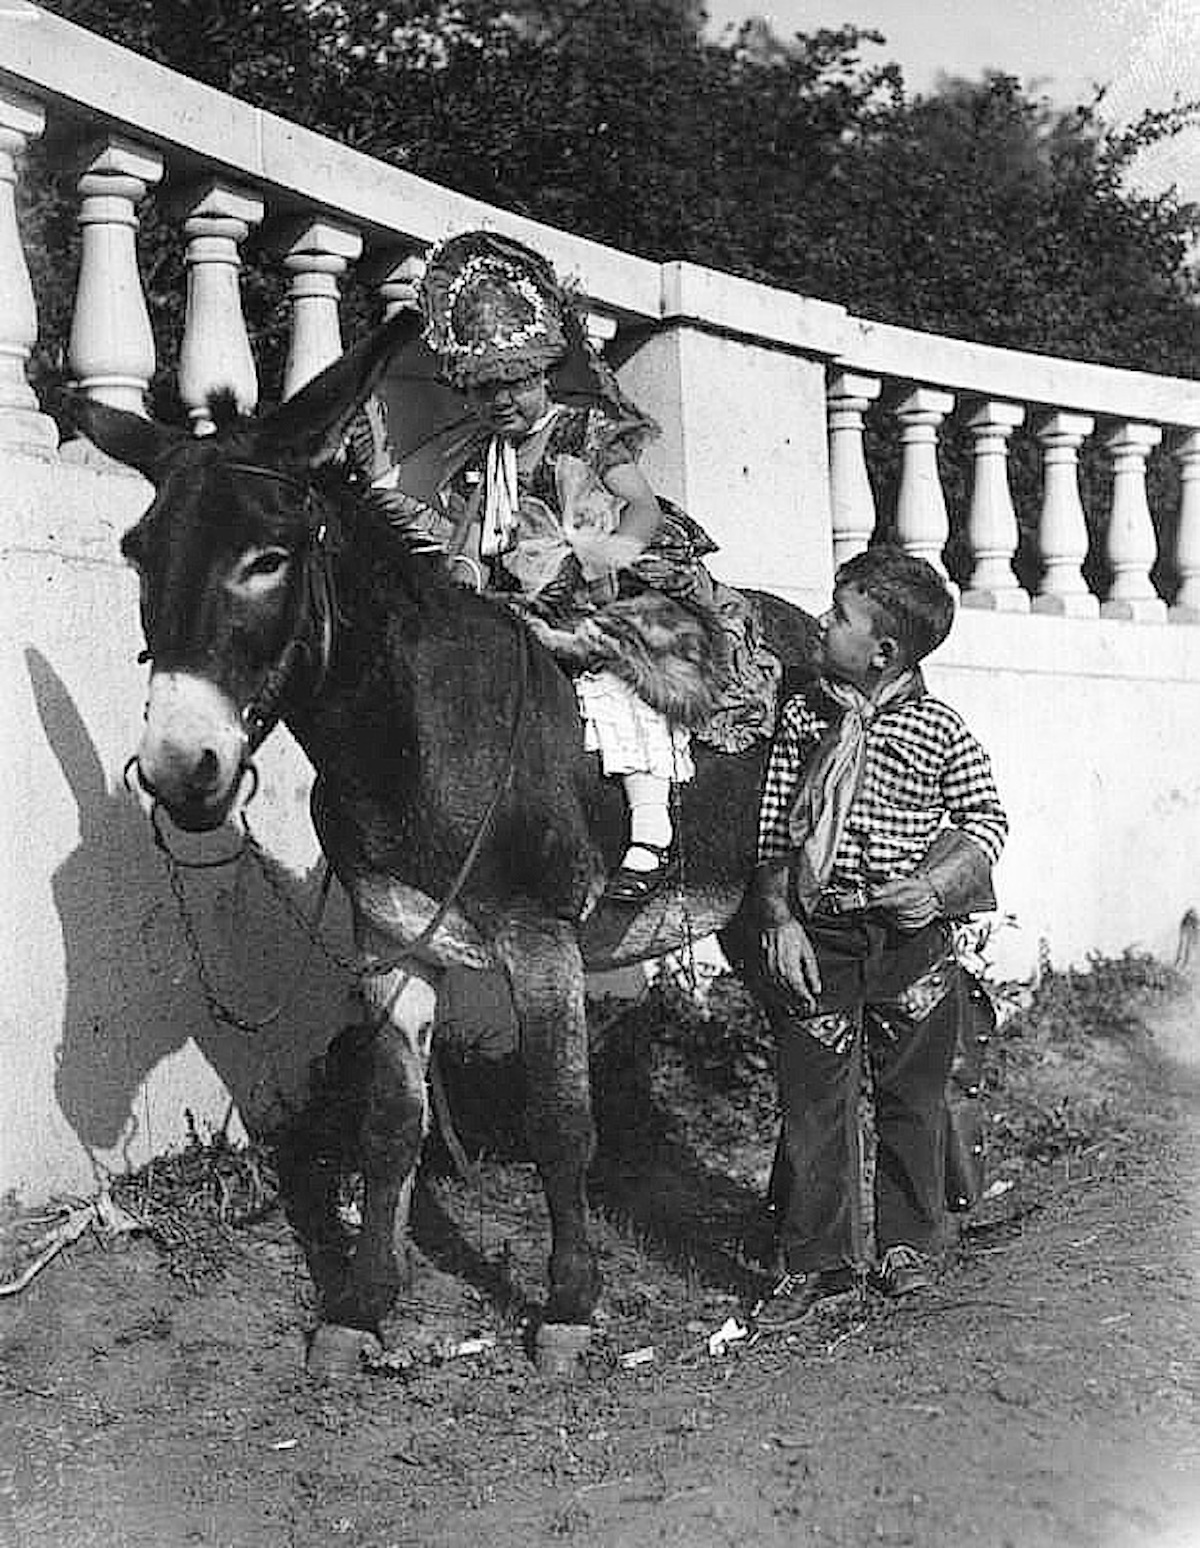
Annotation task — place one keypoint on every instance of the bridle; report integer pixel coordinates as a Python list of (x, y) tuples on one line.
[(259, 717), (315, 608)]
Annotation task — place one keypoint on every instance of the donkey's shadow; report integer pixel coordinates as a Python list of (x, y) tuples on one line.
[(133, 1001), (132, 995)]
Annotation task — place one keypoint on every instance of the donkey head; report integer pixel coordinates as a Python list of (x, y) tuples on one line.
[(221, 556)]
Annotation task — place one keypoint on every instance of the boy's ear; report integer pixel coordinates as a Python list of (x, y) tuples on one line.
[(887, 652)]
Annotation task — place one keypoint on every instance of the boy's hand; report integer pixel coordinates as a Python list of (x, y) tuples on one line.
[(911, 901), (792, 962)]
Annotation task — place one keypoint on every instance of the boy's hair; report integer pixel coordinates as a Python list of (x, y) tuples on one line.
[(916, 604)]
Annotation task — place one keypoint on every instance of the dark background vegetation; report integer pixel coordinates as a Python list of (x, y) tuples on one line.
[(980, 210)]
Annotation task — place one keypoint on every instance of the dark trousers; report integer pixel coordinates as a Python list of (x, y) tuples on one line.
[(896, 997)]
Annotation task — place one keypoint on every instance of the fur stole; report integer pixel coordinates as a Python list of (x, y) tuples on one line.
[(672, 656)]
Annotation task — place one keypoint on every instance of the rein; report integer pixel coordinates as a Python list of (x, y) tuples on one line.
[(379, 968), (259, 717)]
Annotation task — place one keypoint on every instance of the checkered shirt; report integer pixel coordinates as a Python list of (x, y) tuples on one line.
[(922, 767)]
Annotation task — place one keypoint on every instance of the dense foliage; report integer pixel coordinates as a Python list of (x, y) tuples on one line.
[(978, 211)]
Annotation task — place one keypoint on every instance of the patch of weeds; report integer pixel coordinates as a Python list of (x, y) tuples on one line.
[(1035, 1130), (1107, 999), (191, 1201), (1054, 1071), (571, 1518), (721, 1034), (1051, 1084)]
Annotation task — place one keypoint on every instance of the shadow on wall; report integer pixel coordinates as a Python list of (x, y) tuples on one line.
[(132, 990)]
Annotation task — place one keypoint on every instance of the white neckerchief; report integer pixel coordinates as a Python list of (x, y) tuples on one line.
[(500, 497), (833, 776)]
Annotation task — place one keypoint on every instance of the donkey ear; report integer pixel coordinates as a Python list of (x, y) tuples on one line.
[(129, 438), (311, 426)]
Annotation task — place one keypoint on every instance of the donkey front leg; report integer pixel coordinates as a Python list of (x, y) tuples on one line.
[(545, 969), (392, 1123)]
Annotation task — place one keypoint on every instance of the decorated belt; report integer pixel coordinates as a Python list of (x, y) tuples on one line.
[(843, 900)]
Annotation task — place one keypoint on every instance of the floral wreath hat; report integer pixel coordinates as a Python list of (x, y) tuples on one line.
[(495, 310)]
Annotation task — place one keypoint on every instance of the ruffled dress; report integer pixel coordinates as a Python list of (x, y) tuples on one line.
[(658, 649)]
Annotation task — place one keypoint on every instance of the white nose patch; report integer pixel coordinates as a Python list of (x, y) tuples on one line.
[(193, 743)]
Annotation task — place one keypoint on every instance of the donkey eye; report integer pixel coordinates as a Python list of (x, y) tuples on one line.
[(262, 567)]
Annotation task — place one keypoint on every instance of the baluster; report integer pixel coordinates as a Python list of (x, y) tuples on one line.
[(1186, 607), (1131, 549), (991, 520), (922, 525), (317, 253), (112, 344), (852, 501), (21, 424), (1062, 526), (397, 280), (215, 354), (601, 330)]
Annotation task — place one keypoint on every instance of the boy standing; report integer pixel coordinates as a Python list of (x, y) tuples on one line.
[(879, 822)]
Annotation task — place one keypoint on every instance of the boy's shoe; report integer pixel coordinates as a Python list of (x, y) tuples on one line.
[(796, 1295), (902, 1270)]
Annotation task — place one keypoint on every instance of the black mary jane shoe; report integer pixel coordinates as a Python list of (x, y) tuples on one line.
[(633, 887)]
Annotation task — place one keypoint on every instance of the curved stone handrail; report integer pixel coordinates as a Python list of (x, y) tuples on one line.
[(225, 166)]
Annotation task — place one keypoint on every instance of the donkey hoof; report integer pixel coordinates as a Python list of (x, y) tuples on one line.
[(559, 1348), (337, 1351)]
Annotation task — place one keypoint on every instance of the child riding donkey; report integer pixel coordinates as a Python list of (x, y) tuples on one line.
[(543, 504)]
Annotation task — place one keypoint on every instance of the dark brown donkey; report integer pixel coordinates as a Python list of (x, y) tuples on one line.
[(452, 790)]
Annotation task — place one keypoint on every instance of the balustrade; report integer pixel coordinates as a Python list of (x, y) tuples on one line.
[(852, 503), (922, 521), (215, 354), (1186, 607), (992, 520), (1062, 528), (21, 423), (397, 280), (1131, 548), (111, 348), (601, 330), (316, 254), (983, 393)]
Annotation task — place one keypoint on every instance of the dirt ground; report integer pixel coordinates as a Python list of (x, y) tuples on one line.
[(1046, 1394)]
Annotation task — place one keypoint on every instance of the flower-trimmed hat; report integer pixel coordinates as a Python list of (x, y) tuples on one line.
[(494, 310)]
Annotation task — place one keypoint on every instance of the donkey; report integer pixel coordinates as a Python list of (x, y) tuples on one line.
[(452, 797)]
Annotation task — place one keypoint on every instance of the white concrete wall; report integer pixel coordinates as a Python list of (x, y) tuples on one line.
[(738, 452), (106, 1042), (1094, 730)]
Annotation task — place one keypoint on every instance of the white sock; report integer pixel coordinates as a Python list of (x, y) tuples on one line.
[(649, 798)]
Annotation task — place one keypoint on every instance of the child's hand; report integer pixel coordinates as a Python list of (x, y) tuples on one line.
[(792, 962), (911, 900)]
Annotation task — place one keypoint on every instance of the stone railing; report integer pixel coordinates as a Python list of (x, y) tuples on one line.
[(330, 214), (1061, 404)]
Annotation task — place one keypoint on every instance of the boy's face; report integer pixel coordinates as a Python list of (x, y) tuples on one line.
[(855, 647)]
